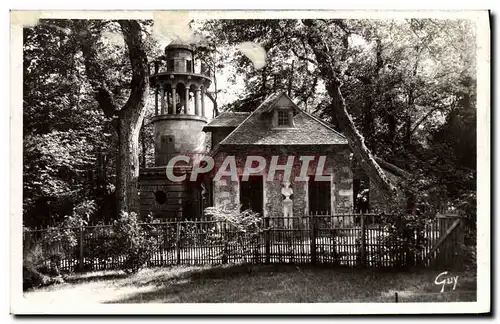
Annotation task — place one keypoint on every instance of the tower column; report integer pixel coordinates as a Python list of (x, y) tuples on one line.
[(162, 100), (187, 100), (174, 110), (168, 100), (156, 101), (203, 102), (197, 101)]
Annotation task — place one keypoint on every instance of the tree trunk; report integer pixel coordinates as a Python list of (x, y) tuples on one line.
[(214, 101), (368, 120), (357, 142), (127, 120), (143, 145), (316, 39), (127, 180)]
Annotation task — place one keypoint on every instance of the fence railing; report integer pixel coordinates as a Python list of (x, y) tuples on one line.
[(350, 240)]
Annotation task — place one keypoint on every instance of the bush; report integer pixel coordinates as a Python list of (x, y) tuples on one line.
[(405, 234), (134, 242), (35, 271), (245, 227), (42, 254), (97, 248), (470, 258)]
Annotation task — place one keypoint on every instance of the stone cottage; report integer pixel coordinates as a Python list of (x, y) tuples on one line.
[(288, 140)]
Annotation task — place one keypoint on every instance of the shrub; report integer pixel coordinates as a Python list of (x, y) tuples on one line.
[(134, 242), (35, 271), (245, 227), (82, 213), (42, 254), (403, 234), (470, 258), (63, 241)]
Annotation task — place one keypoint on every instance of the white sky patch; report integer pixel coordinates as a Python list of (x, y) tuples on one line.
[(357, 40), (428, 67), (114, 38), (255, 52), (172, 25)]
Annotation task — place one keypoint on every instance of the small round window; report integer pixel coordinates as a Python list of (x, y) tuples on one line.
[(161, 197)]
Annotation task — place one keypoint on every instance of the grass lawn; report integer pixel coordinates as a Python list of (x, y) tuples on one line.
[(255, 284)]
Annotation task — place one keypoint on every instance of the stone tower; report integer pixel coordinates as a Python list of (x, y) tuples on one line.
[(179, 83)]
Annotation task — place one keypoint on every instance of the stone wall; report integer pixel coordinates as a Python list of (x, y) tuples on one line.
[(337, 166), (182, 198), (226, 193)]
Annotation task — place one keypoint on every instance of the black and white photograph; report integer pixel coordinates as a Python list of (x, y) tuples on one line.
[(286, 162)]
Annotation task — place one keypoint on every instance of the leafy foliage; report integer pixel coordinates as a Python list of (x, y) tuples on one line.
[(44, 253), (69, 144), (239, 227), (133, 241), (403, 233), (410, 93), (409, 86)]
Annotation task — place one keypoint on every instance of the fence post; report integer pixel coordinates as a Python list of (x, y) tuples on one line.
[(313, 239), (461, 244), (178, 243), (363, 240), (80, 262), (225, 252), (267, 240)]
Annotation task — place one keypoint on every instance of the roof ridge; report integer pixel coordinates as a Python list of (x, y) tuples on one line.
[(326, 124), (232, 112), (250, 115)]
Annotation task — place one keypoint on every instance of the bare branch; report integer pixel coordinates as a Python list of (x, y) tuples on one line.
[(342, 25), (303, 57), (423, 118), (214, 101)]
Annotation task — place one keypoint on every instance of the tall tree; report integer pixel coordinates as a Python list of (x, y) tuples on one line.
[(127, 119), (63, 128), (317, 33), (280, 73), (399, 77)]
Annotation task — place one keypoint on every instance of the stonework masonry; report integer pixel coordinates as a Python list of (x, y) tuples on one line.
[(337, 167)]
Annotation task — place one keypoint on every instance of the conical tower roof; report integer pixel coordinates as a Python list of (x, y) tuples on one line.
[(178, 43)]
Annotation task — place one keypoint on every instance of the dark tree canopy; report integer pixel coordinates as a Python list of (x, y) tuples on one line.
[(403, 91), (401, 84)]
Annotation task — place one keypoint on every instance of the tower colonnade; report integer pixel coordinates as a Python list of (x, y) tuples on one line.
[(174, 98)]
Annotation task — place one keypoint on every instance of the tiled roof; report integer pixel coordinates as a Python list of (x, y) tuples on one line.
[(308, 130), (227, 119)]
